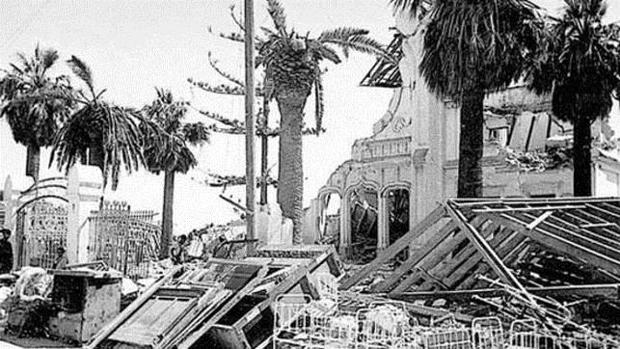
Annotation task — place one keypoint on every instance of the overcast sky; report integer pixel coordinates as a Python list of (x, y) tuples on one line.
[(133, 46)]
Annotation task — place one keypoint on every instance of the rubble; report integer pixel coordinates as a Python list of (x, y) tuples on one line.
[(554, 263), (220, 302)]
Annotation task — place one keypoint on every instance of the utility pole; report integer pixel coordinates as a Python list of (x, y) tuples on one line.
[(250, 184), (263, 149)]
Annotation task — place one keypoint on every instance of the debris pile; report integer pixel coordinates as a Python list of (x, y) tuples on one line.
[(539, 161), (221, 302), (554, 263)]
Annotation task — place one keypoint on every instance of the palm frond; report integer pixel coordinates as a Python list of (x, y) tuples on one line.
[(81, 70), (196, 133), (413, 7), (357, 40), (114, 129), (276, 11), (49, 57)]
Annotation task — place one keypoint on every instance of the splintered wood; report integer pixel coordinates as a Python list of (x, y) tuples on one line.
[(556, 261), (218, 303)]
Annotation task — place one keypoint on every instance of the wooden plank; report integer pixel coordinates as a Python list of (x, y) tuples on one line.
[(562, 245), (505, 249), (487, 252), (503, 242), (605, 211), (135, 305), (576, 237), (197, 330), (455, 264), (539, 220), (434, 258), (610, 291), (395, 248), (527, 209), (416, 257)]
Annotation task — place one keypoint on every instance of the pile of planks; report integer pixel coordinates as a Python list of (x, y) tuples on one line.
[(221, 302), (468, 254)]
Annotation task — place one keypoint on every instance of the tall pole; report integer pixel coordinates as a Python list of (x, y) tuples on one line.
[(250, 178), (264, 142)]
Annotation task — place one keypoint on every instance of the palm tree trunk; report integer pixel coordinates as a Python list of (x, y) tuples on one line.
[(166, 230), (471, 144), (33, 162), (582, 162), (290, 173)]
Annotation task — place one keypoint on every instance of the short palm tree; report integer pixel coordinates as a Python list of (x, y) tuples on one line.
[(34, 103), (472, 47), (292, 70), (166, 149), (107, 133), (579, 64)]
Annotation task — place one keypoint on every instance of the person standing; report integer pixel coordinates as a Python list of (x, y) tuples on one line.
[(196, 246), (6, 251), (178, 252), (61, 258)]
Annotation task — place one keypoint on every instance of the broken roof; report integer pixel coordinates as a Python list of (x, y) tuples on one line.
[(526, 243), (384, 73)]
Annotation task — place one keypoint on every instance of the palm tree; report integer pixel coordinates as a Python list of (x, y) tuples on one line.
[(98, 129), (579, 64), (292, 70), (33, 103), (166, 148), (472, 47)]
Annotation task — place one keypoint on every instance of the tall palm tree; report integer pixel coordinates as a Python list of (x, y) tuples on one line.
[(472, 47), (292, 70), (579, 64), (98, 128), (33, 103), (166, 149)]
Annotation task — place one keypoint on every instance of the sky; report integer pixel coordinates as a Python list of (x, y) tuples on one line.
[(134, 46)]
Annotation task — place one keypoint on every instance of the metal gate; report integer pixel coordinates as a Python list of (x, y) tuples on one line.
[(41, 228), (127, 241)]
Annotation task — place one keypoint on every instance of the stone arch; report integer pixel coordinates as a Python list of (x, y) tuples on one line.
[(322, 218), (346, 212), (386, 208)]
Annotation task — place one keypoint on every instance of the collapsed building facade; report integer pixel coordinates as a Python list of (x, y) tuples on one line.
[(410, 162)]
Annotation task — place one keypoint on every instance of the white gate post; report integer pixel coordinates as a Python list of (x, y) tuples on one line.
[(9, 219), (73, 217)]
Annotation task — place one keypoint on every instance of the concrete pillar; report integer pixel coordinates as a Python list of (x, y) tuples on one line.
[(73, 217), (383, 222)]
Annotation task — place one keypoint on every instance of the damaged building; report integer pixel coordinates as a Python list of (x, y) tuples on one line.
[(409, 163)]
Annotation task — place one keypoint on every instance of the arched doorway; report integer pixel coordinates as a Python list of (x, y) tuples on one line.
[(397, 207), (363, 209), (329, 218)]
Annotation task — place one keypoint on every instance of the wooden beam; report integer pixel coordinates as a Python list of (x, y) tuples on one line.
[(483, 247), (502, 243), (539, 220), (610, 291), (562, 245), (527, 209), (580, 238), (448, 265), (395, 248), (416, 257)]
